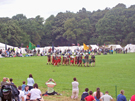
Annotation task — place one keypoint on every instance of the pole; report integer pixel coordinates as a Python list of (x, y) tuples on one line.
[(5, 44), (116, 91)]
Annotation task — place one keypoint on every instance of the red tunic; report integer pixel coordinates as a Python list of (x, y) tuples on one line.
[(80, 60), (49, 58), (59, 59), (55, 60)]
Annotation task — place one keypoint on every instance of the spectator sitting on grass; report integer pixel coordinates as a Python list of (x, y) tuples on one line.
[(85, 94), (26, 92), (30, 81), (21, 94), (11, 81), (35, 93), (50, 84), (121, 96), (97, 94), (23, 86), (106, 97), (90, 97), (5, 81)]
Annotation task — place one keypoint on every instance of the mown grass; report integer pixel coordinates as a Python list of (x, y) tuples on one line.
[(110, 71)]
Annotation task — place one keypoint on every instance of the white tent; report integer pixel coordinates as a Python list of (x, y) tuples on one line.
[(40, 48), (114, 46), (63, 48), (94, 46), (130, 47), (2, 46), (72, 48)]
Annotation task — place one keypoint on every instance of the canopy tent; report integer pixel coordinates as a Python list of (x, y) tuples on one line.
[(72, 48), (2, 46), (114, 46), (130, 47), (40, 48), (94, 46), (63, 48)]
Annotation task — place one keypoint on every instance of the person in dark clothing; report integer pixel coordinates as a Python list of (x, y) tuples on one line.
[(92, 60), (49, 59), (87, 60), (1, 51), (80, 60), (11, 81), (126, 51), (85, 94)]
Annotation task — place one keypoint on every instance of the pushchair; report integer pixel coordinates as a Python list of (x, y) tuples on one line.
[(9, 92)]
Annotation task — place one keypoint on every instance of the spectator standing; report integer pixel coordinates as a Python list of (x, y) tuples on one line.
[(30, 81), (90, 97), (21, 95), (85, 94), (106, 97), (75, 89), (0, 52), (121, 96)]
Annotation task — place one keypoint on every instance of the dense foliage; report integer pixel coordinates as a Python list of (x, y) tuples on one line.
[(115, 26)]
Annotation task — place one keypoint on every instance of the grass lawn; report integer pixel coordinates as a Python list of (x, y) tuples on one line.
[(110, 71)]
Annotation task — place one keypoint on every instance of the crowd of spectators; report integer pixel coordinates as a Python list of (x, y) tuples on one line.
[(31, 92), (10, 52)]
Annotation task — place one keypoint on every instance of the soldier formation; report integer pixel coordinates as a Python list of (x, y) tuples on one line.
[(72, 60)]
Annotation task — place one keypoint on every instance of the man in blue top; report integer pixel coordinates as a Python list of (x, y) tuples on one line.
[(121, 96)]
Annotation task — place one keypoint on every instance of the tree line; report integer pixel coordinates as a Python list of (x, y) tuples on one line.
[(108, 26)]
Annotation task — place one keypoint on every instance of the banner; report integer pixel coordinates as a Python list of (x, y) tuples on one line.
[(31, 46), (85, 47)]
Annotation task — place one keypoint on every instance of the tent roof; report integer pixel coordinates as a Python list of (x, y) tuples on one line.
[(113, 45)]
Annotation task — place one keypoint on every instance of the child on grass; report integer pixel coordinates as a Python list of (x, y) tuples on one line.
[(85, 94), (23, 86)]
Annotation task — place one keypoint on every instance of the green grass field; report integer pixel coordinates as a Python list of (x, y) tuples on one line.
[(110, 71)]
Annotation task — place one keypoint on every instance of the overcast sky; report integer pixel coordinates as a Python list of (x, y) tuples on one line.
[(45, 8)]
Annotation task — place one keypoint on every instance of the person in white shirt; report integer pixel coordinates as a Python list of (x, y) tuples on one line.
[(75, 89), (21, 95), (30, 81), (35, 93), (106, 97)]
